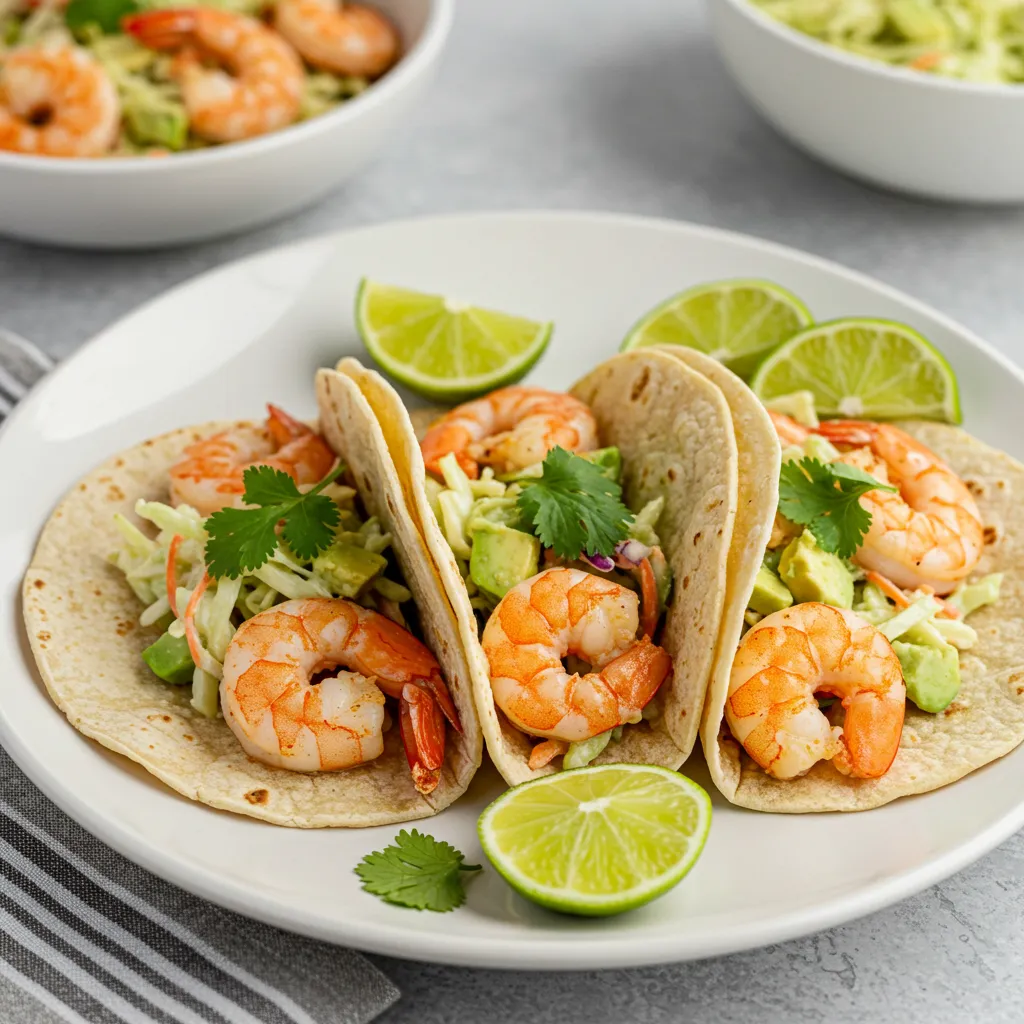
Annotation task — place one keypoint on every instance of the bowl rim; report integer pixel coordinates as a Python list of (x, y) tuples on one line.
[(906, 76), (424, 52)]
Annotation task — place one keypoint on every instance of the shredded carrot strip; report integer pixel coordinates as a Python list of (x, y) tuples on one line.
[(545, 752), (170, 574), (648, 598), (195, 648), (946, 610), (888, 588), (926, 61)]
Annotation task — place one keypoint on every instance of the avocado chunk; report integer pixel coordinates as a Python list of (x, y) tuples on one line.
[(169, 659), (815, 575), (165, 126), (770, 593), (502, 558), (932, 674), (608, 460), (348, 568)]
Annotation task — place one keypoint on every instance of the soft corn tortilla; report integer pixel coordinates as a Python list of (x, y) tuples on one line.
[(675, 433), (82, 621), (985, 721)]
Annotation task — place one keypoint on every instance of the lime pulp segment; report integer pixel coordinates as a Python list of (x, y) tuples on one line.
[(736, 322), (445, 350), (598, 840), (863, 368)]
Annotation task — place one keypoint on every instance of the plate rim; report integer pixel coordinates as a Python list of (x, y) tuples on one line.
[(544, 953)]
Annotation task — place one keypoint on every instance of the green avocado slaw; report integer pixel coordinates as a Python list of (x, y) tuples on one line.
[(355, 566), (972, 40), (154, 121), (496, 548), (924, 634)]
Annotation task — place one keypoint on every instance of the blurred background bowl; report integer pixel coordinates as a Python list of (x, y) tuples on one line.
[(143, 202), (905, 130)]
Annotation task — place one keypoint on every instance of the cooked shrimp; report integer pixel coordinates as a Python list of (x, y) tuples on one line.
[(348, 39), (256, 89), (283, 718), (209, 476), (510, 429), (786, 659), (568, 611), (929, 533), (57, 101)]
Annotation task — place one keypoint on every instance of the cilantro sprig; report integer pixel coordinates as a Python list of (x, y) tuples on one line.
[(106, 15), (574, 508), (416, 871), (243, 539), (825, 497)]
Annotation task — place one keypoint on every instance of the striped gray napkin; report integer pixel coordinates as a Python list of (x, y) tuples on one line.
[(87, 937)]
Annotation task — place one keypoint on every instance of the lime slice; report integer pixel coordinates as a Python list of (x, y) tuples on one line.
[(864, 368), (597, 840), (738, 323), (445, 350)]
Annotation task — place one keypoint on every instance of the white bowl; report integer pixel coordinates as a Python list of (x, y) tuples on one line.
[(143, 202), (905, 130)]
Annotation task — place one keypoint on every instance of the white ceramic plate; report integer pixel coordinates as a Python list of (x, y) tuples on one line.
[(225, 343)]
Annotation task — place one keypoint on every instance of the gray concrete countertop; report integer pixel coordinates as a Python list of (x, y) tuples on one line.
[(601, 104)]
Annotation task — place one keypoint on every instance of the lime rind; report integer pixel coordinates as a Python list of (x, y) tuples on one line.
[(837, 359), (677, 321), (567, 899), (443, 338)]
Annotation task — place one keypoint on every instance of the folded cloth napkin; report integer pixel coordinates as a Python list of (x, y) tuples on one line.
[(87, 937)]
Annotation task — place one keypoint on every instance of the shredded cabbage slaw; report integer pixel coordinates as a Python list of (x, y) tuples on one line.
[(222, 604), (972, 40)]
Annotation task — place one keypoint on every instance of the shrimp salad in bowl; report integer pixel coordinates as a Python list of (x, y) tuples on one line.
[(287, 656), (106, 78)]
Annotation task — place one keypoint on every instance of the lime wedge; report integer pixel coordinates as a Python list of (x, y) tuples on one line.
[(738, 323), (442, 349), (597, 840), (863, 368)]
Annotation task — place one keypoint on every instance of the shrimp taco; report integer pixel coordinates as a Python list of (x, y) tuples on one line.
[(251, 615), (581, 538), (863, 655)]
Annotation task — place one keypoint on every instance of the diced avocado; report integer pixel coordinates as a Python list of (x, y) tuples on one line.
[(608, 459), (771, 560), (770, 593), (581, 753), (662, 576), (164, 126), (932, 674), (502, 558), (815, 575), (348, 568), (169, 659)]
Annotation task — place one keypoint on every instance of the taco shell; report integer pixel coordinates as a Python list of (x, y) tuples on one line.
[(675, 433), (82, 622)]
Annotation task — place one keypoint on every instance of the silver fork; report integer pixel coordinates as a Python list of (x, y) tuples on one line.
[(21, 366)]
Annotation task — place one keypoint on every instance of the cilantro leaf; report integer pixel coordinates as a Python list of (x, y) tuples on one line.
[(105, 14), (265, 485), (416, 871), (310, 528), (574, 508), (242, 539), (825, 497)]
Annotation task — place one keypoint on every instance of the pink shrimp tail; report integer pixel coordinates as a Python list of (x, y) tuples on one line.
[(162, 30), (852, 432)]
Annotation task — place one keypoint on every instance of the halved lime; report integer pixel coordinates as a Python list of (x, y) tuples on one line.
[(597, 840), (442, 349), (863, 368), (738, 323)]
